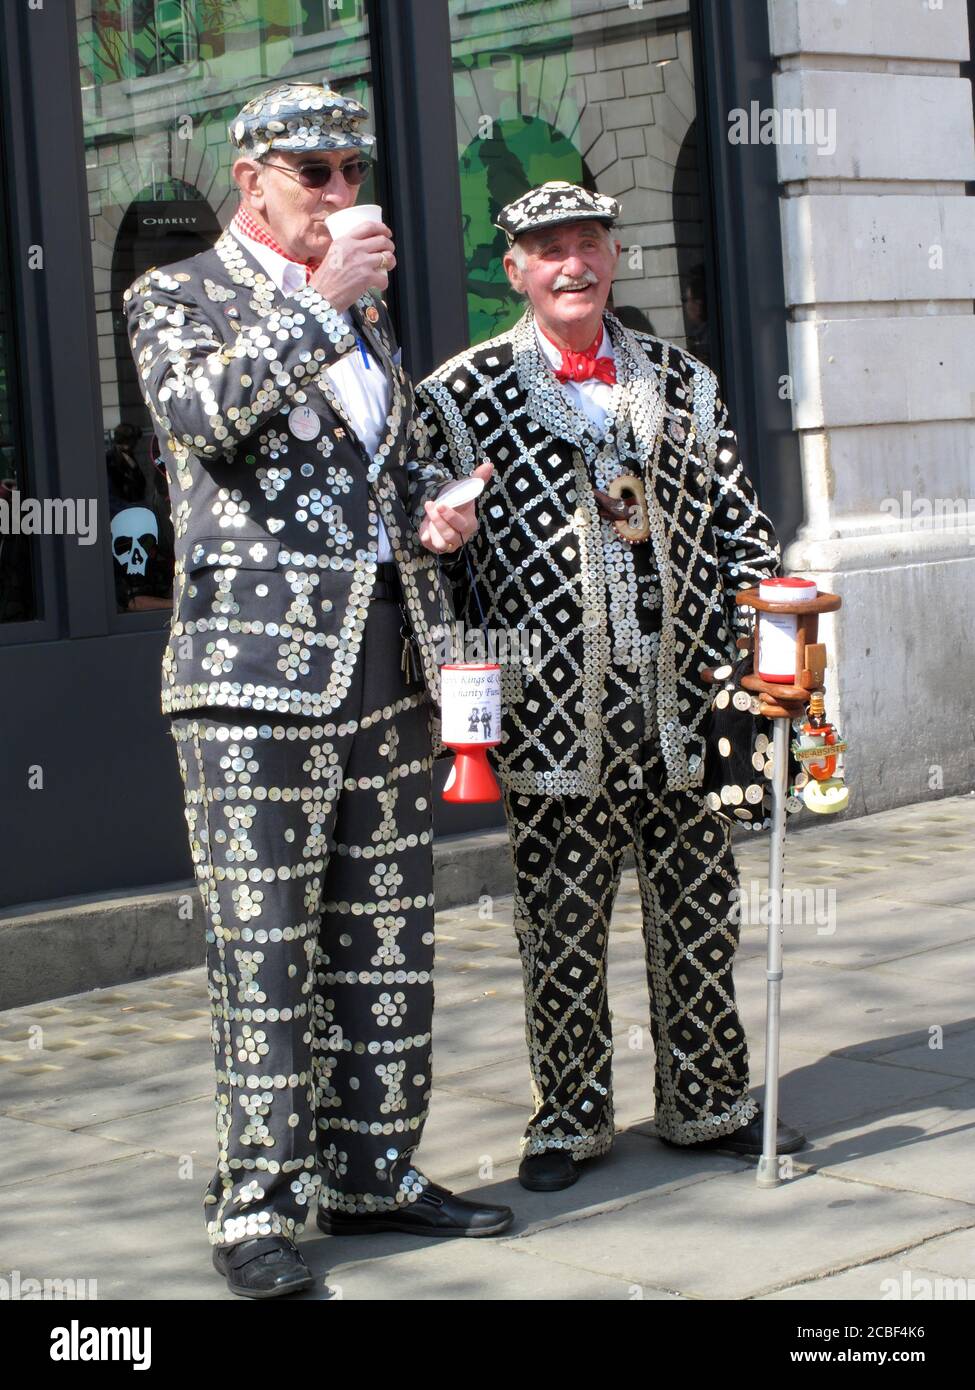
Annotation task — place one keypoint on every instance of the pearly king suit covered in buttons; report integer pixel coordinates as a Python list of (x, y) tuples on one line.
[(603, 725), (224, 359), (301, 708)]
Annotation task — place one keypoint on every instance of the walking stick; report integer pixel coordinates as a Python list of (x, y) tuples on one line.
[(768, 1168), (783, 698)]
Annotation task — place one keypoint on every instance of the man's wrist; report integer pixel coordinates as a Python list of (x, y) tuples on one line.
[(336, 302), (452, 559)]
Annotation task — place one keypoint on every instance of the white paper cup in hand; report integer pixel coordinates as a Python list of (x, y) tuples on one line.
[(346, 219), (458, 493)]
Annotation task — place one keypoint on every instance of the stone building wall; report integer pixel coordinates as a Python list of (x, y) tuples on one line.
[(879, 249)]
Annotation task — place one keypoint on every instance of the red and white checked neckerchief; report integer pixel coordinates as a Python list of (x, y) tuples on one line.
[(244, 223)]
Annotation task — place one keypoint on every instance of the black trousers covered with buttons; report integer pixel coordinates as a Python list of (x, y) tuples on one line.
[(568, 855), (312, 845)]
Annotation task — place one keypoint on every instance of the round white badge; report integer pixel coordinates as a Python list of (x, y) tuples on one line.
[(304, 423)]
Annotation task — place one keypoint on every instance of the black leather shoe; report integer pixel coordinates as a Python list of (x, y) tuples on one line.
[(549, 1171), (263, 1267), (747, 1141), (436, 1212)]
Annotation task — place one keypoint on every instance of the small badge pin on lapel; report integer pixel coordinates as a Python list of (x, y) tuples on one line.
[(304, 423), (372, 314), (339, 432)]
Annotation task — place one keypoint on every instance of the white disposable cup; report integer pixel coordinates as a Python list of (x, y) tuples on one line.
[(460, 492), (347, 219)]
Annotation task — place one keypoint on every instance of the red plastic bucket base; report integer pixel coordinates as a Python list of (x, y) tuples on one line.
[(471, 778)]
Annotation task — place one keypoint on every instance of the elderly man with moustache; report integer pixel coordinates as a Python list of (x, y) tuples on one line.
[(299, 676), (619, 525)]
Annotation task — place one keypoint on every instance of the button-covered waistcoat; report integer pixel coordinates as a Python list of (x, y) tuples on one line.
[(546, 563), (275, 499)]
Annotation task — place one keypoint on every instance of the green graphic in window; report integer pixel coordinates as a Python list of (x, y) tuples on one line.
[(518, 153)]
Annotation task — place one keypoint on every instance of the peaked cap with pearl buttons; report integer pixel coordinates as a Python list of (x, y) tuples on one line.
[(300, 116), (553, 203)]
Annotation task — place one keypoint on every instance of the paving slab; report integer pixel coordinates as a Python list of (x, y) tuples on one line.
[(104, 1098), (33, 1153), (952, 1255), (872, 931), (900, 1279), (186, 1127), (478, 1033), (926, 1148), (941, 889), (636, 1167), (819, 1093), (465, 1135), (946, 1050), (135, 1226), (472, 1270), (827, 1010), (632, 1070), (937, 965), (727, 1238)]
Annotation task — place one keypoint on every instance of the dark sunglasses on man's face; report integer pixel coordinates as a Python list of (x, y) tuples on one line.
[(318, 175)]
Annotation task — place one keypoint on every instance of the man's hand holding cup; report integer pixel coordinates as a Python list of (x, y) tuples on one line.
[(360, 257)]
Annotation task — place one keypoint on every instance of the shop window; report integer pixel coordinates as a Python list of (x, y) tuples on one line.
[(160, 189), (593, 93)]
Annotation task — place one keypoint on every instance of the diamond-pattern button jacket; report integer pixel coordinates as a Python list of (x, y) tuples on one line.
[(542, 553)]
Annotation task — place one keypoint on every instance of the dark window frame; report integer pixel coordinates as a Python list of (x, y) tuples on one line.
[(28, 308), (734, 66), (414, 119), (60, 389)]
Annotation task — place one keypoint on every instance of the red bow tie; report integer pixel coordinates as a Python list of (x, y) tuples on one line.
[(583, 366)]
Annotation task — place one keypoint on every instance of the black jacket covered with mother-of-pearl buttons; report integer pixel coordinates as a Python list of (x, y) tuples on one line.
[(275, 499)]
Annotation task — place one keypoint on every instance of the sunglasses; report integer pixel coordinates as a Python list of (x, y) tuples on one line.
[(318, 175)]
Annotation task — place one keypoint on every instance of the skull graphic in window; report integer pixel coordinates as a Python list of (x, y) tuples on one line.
[(134, 533)]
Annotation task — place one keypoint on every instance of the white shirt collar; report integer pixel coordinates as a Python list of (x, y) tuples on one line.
[(554, 355), (287, 275)]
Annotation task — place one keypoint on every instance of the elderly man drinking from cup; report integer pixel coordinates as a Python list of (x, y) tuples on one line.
[(299, 676)]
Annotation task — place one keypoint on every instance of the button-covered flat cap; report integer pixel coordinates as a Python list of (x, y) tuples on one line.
[(299, 116), (553, 203)]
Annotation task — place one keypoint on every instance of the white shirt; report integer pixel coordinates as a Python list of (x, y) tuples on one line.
[(591, 397), (360, 384)]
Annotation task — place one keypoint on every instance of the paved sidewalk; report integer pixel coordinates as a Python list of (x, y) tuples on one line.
[(106, 1132)]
